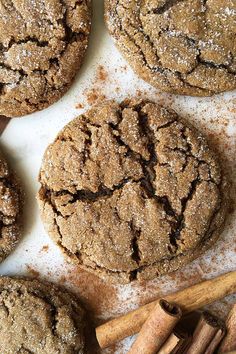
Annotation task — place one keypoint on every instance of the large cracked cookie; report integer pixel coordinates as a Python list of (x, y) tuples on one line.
[(42, 45), (131, 192), (10, 210), (39, 318), (179, 46)]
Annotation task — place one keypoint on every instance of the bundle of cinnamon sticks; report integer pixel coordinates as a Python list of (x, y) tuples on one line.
[(160, 334), (159, 323)]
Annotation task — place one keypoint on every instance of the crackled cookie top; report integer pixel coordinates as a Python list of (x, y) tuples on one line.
[(180, 46), (42, 45), (10, 210), (39, 318), (130, 191)]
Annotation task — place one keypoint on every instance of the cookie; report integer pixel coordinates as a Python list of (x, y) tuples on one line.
[(131, 191), (42, 46), (39, 318), (184, 47), (10, 210)]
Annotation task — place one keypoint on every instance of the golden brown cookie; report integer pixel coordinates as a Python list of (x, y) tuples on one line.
[(130, 191), (42, 45), (10, 210), (184, 47), (39, 318)]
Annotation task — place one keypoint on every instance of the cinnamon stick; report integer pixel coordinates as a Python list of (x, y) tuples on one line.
[(170, 344), (207, 335), (189, 300), (175, 343), (216, 341), (157, 328), (229, 342)]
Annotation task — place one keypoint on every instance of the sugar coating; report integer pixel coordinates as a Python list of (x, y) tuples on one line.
[(131, 191), (180, 46), (39, 318), (10, 210)]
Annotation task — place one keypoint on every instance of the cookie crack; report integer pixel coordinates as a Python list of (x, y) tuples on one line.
[(133, 274), (23, 347), (136, 253), (54, 321), (147, 181), (213, 65), (147, 184), (88, 196), (53, 312), (159, 69), (156, 68), (69, 38), (180, 224), (164, 72), (27, 40), (167, 6), (87, 143)]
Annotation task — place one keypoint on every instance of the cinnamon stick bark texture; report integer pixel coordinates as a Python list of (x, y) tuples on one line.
[(229, 342), (157, 328), (176, 343), (170, 344), (207, 335), (216, 341), (188, 299)]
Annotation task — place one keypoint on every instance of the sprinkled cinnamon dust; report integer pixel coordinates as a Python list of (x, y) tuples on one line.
[(97, 296), (31, 272), (96, 93)]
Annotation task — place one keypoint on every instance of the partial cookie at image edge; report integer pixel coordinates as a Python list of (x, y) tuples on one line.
[(42, 316), (181, 47), (39, 60), (11, 209)]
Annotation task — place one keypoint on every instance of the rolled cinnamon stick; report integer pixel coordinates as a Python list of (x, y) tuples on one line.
[(170, 344), (175, 343), (206, 335), (216, 341), (181, 347), (157, 328), (189, 300), (229, 342)]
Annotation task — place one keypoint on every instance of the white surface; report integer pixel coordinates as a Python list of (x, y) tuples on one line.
[(25, 140)]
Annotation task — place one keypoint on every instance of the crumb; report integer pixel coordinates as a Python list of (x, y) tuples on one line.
[(79, 106), (45, 248), (102, 74), (97, 91), (94, 95), (32, 273)]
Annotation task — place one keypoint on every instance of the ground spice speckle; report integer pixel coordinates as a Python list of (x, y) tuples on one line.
[(45, 248)]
